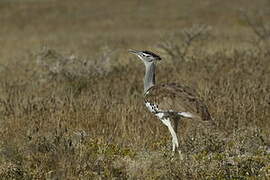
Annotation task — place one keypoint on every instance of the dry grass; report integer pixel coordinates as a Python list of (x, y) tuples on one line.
[(64, 116), (58, 122)]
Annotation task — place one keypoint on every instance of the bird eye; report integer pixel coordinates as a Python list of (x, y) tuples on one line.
[(145, 55)]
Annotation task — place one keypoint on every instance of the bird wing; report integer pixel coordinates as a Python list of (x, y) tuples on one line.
[(178, 99)]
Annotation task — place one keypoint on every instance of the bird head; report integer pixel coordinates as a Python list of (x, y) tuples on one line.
[(146, 56)]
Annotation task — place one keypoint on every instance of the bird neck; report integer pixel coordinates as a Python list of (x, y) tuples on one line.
[(149, 78)]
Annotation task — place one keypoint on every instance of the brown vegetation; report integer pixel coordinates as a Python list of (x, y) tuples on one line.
[(64, 116)]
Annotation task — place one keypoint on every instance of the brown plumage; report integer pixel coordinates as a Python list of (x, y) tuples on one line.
[(176, 99)]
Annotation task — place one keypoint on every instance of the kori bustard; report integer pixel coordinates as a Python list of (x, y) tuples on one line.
[(169, 102)]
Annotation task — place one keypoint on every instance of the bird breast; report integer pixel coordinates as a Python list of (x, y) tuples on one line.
[(153, 108)]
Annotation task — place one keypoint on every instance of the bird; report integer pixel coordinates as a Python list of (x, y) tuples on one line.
[(170, 102)]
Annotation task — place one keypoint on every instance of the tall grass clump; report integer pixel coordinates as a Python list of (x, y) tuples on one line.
[(69, 117)]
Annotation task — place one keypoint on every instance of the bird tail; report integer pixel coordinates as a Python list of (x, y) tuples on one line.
[(205, 121)]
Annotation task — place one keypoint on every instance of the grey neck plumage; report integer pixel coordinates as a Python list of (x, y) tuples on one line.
[(149, 78)]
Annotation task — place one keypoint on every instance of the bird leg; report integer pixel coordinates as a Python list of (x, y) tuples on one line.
[(175, 144), (175, 126)]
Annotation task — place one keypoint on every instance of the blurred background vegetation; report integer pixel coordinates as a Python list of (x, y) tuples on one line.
[(71, 103), (82, 27)]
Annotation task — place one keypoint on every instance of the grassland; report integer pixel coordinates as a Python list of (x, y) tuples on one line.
[(71, 103)]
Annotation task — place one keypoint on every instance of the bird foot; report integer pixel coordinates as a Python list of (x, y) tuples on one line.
[(181, 155), (178, 155), (175, 150)]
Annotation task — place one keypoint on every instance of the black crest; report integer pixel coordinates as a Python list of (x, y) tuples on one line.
[(152, 54)]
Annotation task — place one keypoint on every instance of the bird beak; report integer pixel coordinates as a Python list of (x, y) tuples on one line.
[(133, 51)]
